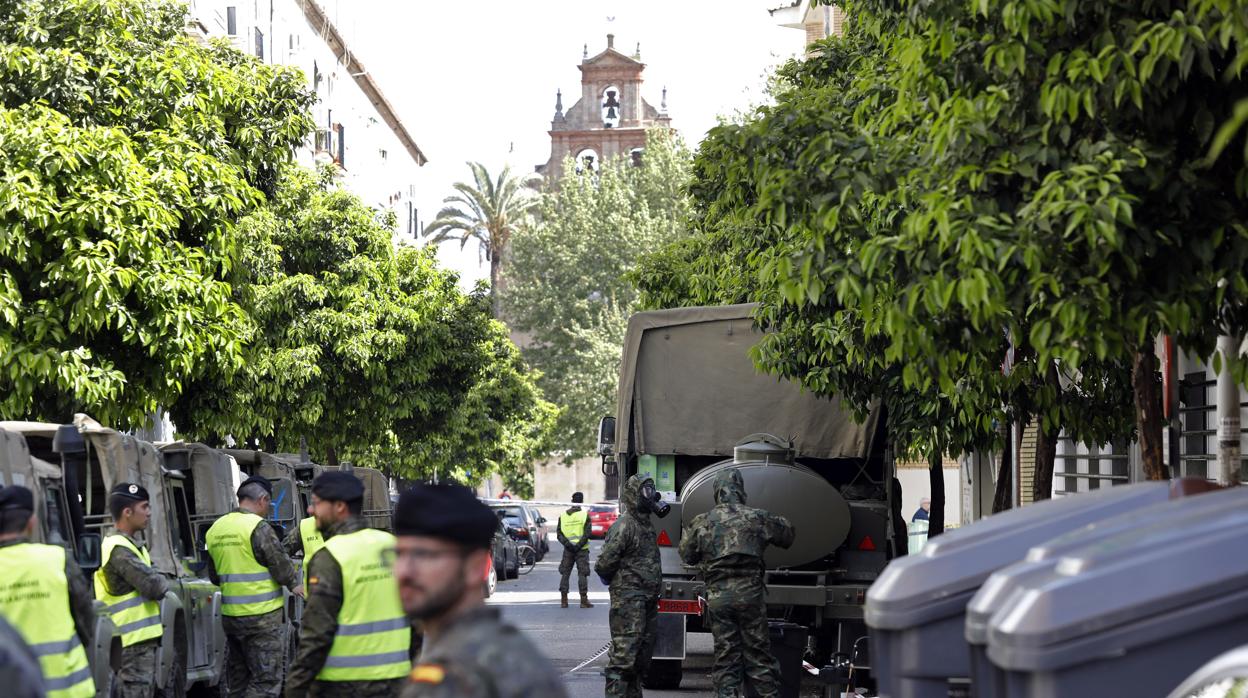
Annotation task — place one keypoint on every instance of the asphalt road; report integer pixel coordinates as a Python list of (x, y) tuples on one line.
[(569, 636)]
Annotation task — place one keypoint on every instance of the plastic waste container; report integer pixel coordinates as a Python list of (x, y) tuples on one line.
[(1130, 615), (917, 532), (998, 589), (916, 609), (788, 646), (1217, 678)]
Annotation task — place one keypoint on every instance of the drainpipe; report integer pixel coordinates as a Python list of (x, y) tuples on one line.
[(1228, 414)]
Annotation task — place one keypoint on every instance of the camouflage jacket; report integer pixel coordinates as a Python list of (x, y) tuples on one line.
[(729, 540), (478, 656), (81, 595), (20, 673), (630, 556), (125, 573), (268, 551)]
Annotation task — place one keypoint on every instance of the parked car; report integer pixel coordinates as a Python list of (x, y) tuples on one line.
[(601, 516), (525, 527), (506, 557), (543, 529)]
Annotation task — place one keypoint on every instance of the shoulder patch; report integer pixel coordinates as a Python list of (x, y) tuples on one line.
[(312, 581), (427, 673)]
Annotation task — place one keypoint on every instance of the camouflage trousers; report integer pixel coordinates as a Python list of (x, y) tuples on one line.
[(256, 658), (580, 558), (737, 616), (357, 689), (634, 620), (138, 670)]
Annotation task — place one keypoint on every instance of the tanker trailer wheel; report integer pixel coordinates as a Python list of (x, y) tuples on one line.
[(664, 675)]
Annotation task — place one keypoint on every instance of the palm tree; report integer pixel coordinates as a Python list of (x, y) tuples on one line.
[(487, 211)]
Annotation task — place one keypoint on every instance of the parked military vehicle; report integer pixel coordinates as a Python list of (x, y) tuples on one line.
[(690, 404), (71, 469)]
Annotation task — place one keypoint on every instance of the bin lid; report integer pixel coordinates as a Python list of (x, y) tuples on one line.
[(917, 589), (1173, 565), (1004, 583)]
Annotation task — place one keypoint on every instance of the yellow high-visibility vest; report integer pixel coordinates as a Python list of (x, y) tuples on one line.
[(34, 599), (572, 526), (137, 618), (247, 588), (312, 541), (374, 637)]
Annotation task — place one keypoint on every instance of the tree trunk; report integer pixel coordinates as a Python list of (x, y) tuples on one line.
[(1148, 417), (1046, 445), (1002, 498), (496, 282), (270, 444), (331, 456), (936, 479)]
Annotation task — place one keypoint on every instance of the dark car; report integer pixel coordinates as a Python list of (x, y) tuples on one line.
[(523, 522), (505, 553), (601, 516)]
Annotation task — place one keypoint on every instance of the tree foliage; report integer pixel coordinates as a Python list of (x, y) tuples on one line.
[(127, 152), (566, 291)]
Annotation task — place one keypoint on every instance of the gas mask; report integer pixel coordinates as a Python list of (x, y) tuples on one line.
[(651, 501)]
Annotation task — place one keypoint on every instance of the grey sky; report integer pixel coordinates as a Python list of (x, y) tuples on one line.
[(477, 80)]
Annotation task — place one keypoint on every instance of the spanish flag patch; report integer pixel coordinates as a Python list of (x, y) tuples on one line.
[(312, 581), (427, 673)]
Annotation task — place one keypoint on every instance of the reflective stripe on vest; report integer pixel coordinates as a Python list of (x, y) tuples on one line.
[(247, 588), (137, 618), (312, 540), (573, 522), (34, 598), (374, 638)]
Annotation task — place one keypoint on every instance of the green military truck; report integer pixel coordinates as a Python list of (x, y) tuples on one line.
[(691, 404), (71, 469)]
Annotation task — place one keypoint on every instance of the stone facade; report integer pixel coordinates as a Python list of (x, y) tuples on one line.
[(609, 119)]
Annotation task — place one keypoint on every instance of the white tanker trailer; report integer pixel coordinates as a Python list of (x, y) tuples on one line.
[(691, 403)]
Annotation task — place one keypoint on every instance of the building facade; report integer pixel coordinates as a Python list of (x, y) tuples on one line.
[(357, 129), (817, 22), (610, 119)]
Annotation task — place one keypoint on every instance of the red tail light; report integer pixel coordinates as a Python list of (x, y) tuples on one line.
[(664, 539), (522, 532)]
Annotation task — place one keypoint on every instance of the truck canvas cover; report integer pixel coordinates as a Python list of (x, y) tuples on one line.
[(703, 393)]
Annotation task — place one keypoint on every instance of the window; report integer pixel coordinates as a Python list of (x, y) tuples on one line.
[(57, 526), (611, 107), (259, 44), (231, 20), (342, 146)]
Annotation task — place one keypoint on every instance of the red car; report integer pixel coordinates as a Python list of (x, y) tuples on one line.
[(601, 516)]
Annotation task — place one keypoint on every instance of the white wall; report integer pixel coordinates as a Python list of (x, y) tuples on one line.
[(915, 485)]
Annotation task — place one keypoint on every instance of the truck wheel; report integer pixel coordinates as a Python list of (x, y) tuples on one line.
[(664, 675), (177, 679)]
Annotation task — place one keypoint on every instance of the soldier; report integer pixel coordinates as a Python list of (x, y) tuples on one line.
[(19, 667), (131, 589), (444, 535), (45, 596), (304, 540), (727, 543), (573, 533), (247, 560), (629, 565), (355, 641)]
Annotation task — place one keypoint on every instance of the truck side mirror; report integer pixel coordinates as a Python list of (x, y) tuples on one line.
[(606, 436), (89, 551)]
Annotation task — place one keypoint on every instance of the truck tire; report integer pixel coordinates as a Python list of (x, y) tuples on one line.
[(664, 675), (177, 679)]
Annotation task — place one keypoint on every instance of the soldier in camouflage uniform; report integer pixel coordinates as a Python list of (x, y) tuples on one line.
[(124, 573), (727, 544), (257, 644), (444, 535), (629, 565)]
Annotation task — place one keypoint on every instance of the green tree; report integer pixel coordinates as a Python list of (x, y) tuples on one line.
[(566, 291), (489, 211), (127, 154)]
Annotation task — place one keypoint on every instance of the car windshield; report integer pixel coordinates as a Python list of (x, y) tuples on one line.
[(513, 521), (511, 512)]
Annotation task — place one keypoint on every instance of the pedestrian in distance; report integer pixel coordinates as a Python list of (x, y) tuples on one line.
[(305, 539), (46, 598), (629, 566), (247, 560), (727, 544), (444, 538), (923, 513), (131, 589), (573, 533), (355, 641)]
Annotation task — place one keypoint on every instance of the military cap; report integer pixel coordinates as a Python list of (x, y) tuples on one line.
[(338, 486), (131, 491), (258, 480), (450, 512), (16, 497)]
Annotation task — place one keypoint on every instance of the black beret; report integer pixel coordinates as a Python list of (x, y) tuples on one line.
[(578, 497), (258, 480), (450, 512), (16, 497), (338, 486), (131, 491)]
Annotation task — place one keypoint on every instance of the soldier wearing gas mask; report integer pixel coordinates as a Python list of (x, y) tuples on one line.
[(629, 565)]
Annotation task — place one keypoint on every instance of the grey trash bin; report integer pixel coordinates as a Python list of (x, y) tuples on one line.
[(1229, 667), (997, 590), (915, 611), (1133, 614)]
